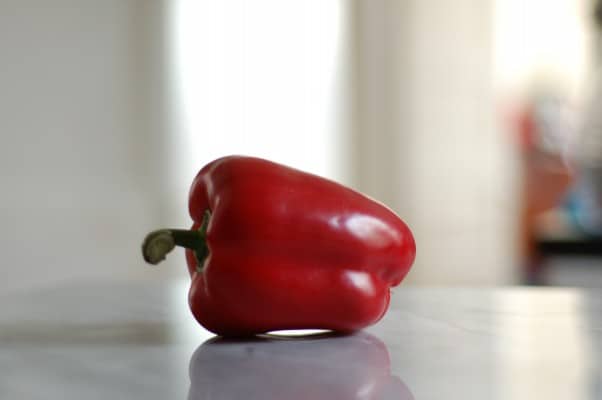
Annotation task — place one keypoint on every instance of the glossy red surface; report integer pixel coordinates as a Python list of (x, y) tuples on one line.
[(291, 250)]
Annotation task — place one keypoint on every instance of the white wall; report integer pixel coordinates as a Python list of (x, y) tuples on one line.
[(427, 141), (87, 118), (77, 139)]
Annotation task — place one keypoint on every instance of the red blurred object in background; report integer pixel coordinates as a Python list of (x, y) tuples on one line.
[(545, 179)]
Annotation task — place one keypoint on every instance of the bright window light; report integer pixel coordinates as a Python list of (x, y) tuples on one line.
[(259, 78), (541, 38)]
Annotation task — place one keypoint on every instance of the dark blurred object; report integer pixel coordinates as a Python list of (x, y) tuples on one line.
[(570, 246), (598, 13)]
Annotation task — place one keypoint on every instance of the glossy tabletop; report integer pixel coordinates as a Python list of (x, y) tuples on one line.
[(139, 341)]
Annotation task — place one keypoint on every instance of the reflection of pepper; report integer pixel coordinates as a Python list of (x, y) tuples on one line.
[(324, 367), (276, 248)]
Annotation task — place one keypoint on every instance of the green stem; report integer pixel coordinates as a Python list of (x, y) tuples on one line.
[(159, 243)]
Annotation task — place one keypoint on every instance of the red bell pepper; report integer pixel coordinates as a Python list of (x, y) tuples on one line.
[(274, 248)]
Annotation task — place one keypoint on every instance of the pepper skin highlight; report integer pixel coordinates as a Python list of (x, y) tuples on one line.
[(275, 248)]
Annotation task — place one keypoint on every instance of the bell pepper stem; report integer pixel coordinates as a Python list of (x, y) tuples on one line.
[(159, 243)]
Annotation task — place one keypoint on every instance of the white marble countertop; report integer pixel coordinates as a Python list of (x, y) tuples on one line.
[(138, 340)]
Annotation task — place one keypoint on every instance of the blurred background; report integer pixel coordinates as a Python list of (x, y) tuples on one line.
[(475, 120)]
